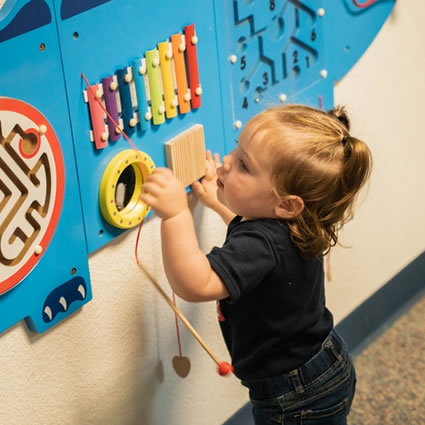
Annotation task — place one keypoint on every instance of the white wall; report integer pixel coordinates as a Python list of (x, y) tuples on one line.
[(101, 365), (385, 94)]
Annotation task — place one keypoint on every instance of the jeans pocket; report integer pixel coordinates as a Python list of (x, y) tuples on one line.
[(327, 404), (333, 415)]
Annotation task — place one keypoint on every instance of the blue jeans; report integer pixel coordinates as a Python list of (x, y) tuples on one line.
[(320, 392)]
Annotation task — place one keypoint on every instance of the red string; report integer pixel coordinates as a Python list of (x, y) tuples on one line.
[(89, 87), (177, 328), (137, 241), (365, 4)]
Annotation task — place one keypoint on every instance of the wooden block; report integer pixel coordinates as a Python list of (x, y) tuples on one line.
[(185, 155)]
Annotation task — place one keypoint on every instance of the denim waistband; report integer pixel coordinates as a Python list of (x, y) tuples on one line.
[(332, 352)]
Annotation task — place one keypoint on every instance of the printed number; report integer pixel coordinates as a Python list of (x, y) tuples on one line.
[(272, 4), (313, 35), (265, 79), (243, 62), (245, 103), (307, 60), (295, 56)]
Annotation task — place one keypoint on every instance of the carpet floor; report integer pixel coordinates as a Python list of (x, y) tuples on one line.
[(391, 374)]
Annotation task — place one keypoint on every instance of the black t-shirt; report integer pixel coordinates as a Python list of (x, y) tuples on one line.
[(275, 318)]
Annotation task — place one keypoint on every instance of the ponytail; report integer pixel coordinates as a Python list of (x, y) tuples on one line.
[(340, 114), (356, 164), (356, 169)]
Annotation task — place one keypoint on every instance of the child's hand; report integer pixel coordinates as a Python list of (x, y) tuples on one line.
[(206, 189), (164, 193)]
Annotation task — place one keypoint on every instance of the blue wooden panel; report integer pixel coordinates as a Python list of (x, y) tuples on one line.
[(351, 31), (272, 52), (110, 37), (32, 73)]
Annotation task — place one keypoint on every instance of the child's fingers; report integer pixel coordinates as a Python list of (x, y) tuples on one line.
[(208, 161), (152, 188), (211, 167), (160, 177), (210, 170), (198, 189), (148, 198), (215, 158), (164, 171)]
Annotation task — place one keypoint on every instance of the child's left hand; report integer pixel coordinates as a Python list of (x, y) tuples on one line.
[(164, 193)]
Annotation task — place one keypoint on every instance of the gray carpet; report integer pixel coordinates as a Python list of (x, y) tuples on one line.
[(391, 374)]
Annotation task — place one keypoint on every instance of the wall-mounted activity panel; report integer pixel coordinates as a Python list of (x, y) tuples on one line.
[(148, 70), (283, 51), (43, 257), (95, 94), (277, 52)]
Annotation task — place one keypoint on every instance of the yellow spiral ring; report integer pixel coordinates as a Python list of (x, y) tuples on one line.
[(135, 210)]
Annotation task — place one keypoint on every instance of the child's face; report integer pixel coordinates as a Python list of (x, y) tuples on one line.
[(244, 182)]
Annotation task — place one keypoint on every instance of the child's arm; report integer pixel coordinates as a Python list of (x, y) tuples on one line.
[(186, 266), (206, 189)]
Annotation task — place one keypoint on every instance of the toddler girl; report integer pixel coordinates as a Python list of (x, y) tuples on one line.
[(285, 191)]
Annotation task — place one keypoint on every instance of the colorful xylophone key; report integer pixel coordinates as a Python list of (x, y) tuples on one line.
[(129, 120), (165, 60), (192, 63), (154, 78), (110, 95), (183, 93), (100, 134), (139, 72)]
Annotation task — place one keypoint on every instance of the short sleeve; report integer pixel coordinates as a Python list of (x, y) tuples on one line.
[(243, 262)]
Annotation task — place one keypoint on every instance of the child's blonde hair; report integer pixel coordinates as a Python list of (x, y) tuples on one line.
[(313, 156)]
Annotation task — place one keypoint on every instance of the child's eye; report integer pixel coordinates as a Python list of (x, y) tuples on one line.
[(242, 166)]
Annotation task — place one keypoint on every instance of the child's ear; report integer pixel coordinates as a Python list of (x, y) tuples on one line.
[(289, 207)]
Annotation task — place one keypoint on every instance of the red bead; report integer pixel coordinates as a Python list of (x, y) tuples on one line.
[(225, 368)]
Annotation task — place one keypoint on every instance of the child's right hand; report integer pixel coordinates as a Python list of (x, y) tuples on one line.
[(164, 193), (206, 189)]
